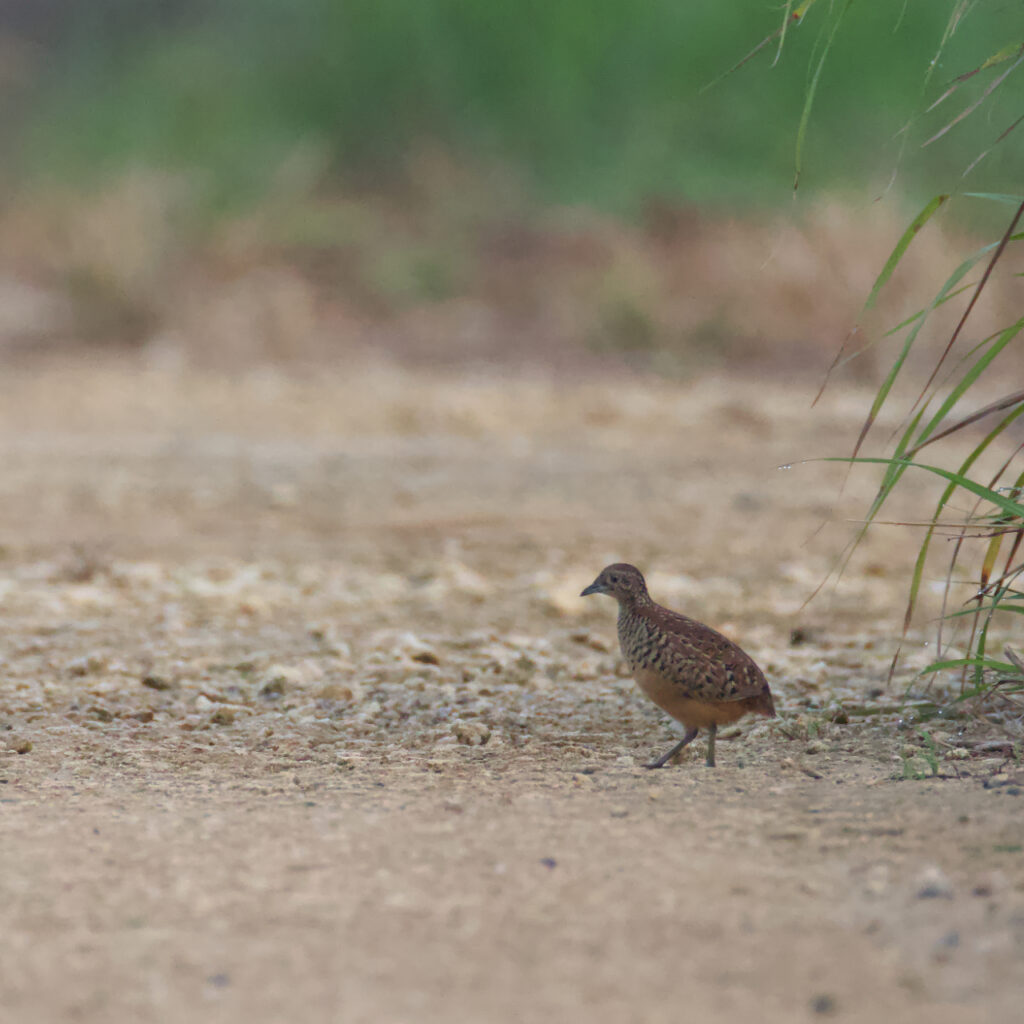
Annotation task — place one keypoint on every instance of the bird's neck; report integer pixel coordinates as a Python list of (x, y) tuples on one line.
[(630, 603)]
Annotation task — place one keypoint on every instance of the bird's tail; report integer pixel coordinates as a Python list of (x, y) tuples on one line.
[(765, 705)]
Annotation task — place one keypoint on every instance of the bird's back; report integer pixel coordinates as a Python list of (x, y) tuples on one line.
[(694, 659)]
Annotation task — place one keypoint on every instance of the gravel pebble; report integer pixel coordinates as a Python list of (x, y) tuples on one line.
[(473, 734), (87, 665), (933, 883)]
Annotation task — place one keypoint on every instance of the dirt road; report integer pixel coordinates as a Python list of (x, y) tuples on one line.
[(304, 720)]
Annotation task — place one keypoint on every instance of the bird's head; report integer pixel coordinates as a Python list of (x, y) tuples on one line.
[(622, 581)]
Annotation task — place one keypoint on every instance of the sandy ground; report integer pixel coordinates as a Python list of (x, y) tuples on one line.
[(302, 718)]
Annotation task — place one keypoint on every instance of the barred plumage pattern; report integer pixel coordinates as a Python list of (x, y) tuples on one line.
[(695, 657)]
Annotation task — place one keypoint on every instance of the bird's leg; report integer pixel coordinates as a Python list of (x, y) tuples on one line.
[(691, 734), (712, 731)]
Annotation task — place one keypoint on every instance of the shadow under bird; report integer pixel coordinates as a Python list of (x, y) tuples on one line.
[(701, 678)]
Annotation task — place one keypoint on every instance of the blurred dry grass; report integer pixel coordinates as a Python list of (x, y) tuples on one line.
[(445, 278)]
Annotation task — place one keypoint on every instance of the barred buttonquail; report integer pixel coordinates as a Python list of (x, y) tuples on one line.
[(698, 676)]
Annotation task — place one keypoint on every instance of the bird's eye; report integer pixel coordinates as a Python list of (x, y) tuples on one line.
[(613, 580)]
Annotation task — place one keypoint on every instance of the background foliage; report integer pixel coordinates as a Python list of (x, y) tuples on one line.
[(578, 101)]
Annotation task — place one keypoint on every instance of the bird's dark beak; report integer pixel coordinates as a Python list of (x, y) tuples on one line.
[(597, 587)]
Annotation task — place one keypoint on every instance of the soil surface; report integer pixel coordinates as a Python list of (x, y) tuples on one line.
[(303, 719)]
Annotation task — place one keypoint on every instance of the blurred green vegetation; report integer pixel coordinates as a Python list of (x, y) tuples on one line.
[(591, 101)]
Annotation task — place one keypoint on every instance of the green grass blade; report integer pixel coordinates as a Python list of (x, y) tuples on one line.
[(780, 34), (989, 663), (914, 317), (1005, 54), (916, 577), (895, 469), (942, 296), (1008, 505), (996, 197), (1009, 401), (992, 86), (982, 644), (996, 256), (889, 480), (741, 62), (988, 562), (812, 88), (1003, 606), (929, 211), (790, 16), (1018, 540), (968, 379), (946, 293), (1001, 137), (965, 466)]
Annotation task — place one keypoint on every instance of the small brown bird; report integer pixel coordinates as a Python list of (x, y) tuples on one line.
[(701, 678)]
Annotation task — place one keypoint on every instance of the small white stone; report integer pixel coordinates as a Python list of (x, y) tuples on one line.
[(586, 669), (86, 665), (473, 734), (933, 883)]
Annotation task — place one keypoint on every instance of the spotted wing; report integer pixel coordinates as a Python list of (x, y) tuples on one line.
[(716, 669)]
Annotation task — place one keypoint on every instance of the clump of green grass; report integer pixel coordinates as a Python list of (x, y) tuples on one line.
[(989, 533), (993, 528)]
